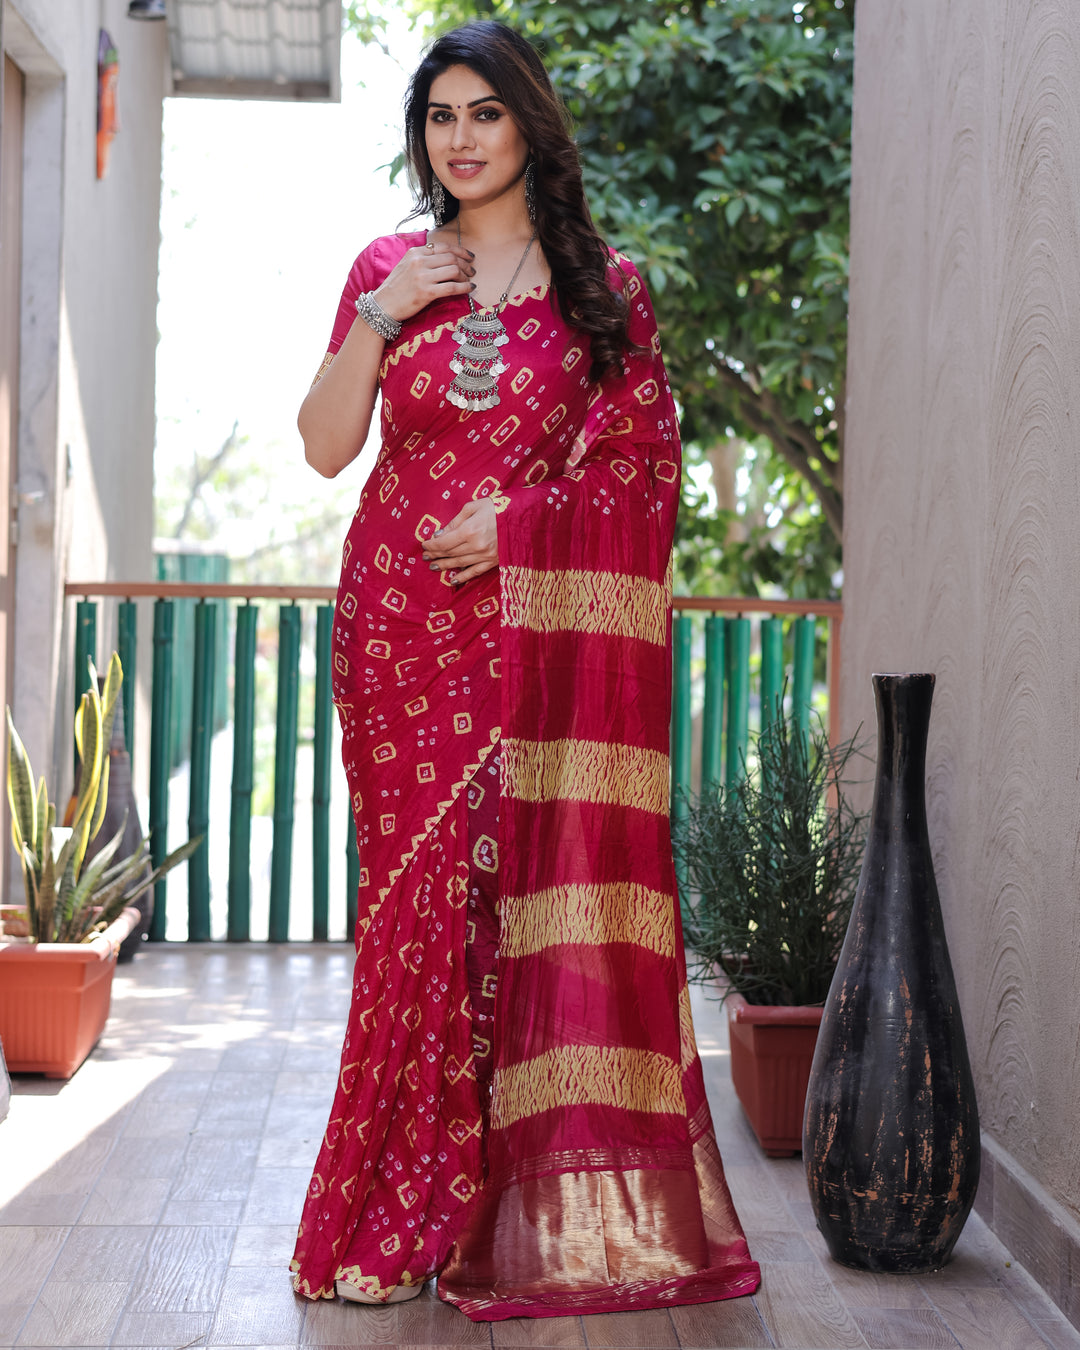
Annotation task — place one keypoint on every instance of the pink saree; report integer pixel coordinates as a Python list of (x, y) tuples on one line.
[(520, 1107)]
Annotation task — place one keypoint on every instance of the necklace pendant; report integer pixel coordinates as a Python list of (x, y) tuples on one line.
[(477, 363)]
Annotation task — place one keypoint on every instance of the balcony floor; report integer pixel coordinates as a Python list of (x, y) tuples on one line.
[(154, 1198)]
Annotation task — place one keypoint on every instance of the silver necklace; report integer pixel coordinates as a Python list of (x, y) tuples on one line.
[(477, 363)]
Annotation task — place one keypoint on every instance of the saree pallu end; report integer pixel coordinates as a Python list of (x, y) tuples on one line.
[(568, 1243)]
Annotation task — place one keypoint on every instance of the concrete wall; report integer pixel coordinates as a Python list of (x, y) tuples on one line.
[(88, 339), (962, 547)]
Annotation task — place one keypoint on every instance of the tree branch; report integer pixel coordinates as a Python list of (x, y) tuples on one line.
[(796, 443), (201, 472)]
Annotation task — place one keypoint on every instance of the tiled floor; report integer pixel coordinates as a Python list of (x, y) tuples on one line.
[(151, 1201)]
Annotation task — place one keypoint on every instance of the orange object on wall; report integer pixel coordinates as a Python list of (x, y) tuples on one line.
[(107, 121)]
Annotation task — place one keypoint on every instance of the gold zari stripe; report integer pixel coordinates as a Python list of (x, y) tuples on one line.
[(586, 771), (587, 1075), (590, 915), (327, 361), (607, 603), (687, 1043)]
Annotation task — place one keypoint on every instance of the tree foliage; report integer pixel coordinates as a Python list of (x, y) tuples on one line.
[(715, 138), (278, 525)]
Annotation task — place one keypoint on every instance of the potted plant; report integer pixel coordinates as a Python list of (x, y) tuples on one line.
[(771, 864), (5, 1085), (56, 974)]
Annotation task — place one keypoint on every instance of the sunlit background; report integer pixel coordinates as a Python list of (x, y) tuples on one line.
[(264, 208)]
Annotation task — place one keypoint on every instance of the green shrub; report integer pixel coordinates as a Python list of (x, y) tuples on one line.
[(771, 865)]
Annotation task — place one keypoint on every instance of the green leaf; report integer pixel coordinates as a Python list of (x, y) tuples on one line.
[(88, 732), (84, 895), (44, 818), (31, 872), (114, 679), (45, 924), (769, 211), (20, 789)]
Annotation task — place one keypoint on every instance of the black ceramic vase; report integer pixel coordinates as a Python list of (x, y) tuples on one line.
[(891, 1130)]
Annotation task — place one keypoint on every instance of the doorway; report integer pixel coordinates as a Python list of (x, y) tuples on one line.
[(11, 163)]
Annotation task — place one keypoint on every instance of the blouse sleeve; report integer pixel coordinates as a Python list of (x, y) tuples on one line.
[(362, 277)]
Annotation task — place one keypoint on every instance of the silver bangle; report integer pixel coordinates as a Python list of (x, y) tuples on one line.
[(377, 318)]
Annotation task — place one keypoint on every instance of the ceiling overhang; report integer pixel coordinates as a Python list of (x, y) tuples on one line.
[(260, 49)]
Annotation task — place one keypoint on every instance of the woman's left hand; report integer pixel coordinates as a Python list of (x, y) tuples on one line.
[(468, 545)]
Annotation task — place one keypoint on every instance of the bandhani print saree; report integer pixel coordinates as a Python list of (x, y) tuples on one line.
[(520, 1107)]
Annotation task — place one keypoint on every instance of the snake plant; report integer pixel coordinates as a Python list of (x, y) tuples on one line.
[(71, 897)]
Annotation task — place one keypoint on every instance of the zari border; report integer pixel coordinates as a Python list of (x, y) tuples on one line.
[(586, 771), (591, 915), (619, 1077), (608, 604)]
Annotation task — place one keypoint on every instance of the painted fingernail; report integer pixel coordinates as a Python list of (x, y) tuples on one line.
[(434, 566), (470, 253), (472, 285), (436, 534)]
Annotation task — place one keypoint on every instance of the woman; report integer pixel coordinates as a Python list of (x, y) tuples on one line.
[(520, 1107)]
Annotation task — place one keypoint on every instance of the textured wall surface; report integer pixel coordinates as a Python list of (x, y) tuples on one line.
[(962, 552), (88, 342)]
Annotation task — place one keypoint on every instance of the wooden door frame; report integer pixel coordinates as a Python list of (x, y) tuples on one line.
[(12, 121)]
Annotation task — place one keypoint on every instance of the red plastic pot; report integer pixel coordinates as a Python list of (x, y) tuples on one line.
[(771, 1053), (55, 997)]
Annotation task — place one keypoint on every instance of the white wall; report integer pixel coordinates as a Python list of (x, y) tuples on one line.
[(962, 545), (90, 250)]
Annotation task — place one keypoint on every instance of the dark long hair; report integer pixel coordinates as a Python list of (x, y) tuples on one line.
[(576, 254)]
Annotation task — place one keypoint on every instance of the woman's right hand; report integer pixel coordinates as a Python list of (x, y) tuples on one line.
[(336, 414), (426, 273)]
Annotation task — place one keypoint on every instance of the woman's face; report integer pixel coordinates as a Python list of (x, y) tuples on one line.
[(475, 147)]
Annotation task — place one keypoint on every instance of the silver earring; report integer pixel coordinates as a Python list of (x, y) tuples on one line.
[(438, 201), (530, 190)]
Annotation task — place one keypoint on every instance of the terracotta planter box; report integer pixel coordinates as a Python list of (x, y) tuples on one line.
[(771, 1052), (54, 999)]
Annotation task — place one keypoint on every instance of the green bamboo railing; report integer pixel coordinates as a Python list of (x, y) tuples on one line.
[(285, 769), (243, 774), (320, 791), (716, 653), (160, 715), (202, 732), (127, 645), (726, 657)]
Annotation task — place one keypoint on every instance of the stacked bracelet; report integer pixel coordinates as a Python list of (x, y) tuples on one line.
[(377, 318)]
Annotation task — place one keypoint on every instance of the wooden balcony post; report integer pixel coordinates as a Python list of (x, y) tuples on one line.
[(802, 684), (160, 722), (320, 794), (127, 645), (738, 708), (202, 732), (712, 732), (284, 770), (243, 777), (682, 645)]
